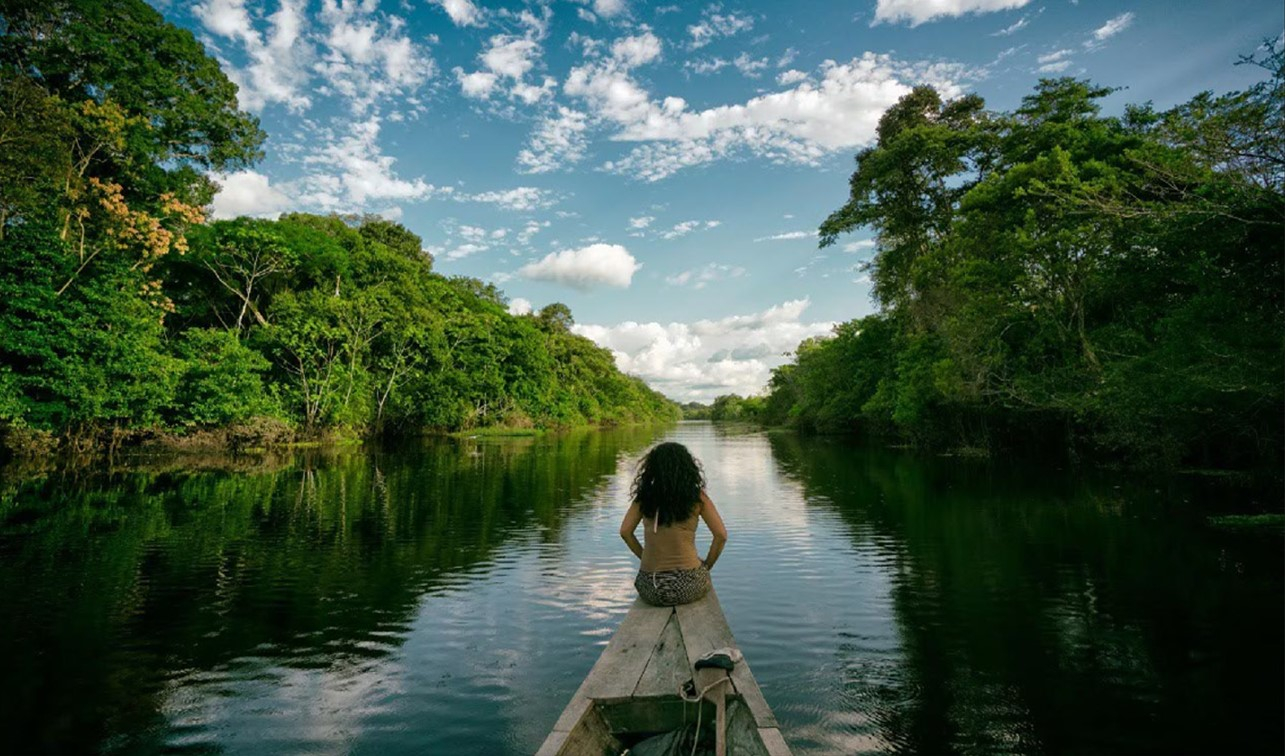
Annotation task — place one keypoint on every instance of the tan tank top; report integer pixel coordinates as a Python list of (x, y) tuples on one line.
[(670, 547)]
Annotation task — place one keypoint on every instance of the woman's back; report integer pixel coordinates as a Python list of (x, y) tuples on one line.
[(671, 547)]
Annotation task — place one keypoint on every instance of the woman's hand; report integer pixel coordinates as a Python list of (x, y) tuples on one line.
[(628, 526)]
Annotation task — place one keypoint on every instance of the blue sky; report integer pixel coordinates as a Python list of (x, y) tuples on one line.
[(659, 167)]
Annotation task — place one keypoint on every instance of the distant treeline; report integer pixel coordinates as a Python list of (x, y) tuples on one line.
[(122, 312), (1051, 276)]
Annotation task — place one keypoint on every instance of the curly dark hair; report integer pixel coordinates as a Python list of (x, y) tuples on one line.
[(668, 484)]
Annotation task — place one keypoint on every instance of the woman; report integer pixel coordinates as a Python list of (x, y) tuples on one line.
[(668, 498)]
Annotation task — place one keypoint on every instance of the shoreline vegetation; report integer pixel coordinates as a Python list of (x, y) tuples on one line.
[(1102, 288), (131, 320), (1106, 289)]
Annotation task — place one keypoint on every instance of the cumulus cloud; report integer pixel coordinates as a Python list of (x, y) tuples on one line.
[(636, 50), (278, 62), (462, 12), (520, 198), (559, 141), (916, 12), (507, 60), (714, 25), (248, 193), (792, 76), (641, 222), (348, 172), (585, 268), (348, 50), (800, 125), (520, 306), (700, 360)]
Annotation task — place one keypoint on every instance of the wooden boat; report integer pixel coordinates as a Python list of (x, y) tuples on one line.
[(633, 690)]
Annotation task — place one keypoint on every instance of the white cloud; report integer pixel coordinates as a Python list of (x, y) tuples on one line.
[(479, 84), (787, 236), (702, 67), (529, 231), (1113, 27), (749, 66), (686, 227), (1056, 67), (641, 222), (609, 8), (698, 361), (699, 278), (792, 76), (462, 12), (787, 57), (369, 58), (799, 125), (464, 250), (248, 193), (585, 268), (507, 60), (520, 306), (279, 68), (917, 12), (714, 25), (520, 198), (346, 173), (1012, 28), (1056, 55), (636, 50), (859, 246)]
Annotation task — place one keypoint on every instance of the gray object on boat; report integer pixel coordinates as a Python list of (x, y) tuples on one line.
[(634, 689)]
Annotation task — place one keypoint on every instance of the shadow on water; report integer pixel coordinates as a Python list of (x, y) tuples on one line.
[(1041, 613), (116, 587)]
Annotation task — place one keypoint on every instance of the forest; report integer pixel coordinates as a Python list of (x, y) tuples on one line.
[(127, 316), (1052, 277)]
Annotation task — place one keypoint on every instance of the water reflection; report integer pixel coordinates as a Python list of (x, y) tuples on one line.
[(449, 597), (1041, 613), (192, 610)]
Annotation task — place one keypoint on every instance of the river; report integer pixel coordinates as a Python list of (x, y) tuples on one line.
[(448, 596)]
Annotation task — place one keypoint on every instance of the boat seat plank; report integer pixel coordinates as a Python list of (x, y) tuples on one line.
[(616, 674), (668, 667)]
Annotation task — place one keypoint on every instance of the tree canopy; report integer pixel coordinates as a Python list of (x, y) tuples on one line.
[(1112, 283)]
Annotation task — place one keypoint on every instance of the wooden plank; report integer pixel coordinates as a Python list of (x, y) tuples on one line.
[(591, 737), (773, 741), (668, 668), (704, 629), (742, 734), (618, 670), (553, 744), (572, 715)]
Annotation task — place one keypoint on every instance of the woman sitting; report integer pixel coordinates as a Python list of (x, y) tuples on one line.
[(668, 498)]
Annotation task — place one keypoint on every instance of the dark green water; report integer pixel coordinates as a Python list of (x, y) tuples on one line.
[(449, 597)]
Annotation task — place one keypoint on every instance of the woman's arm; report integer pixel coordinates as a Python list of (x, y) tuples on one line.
[(714, 522), (628, 526)]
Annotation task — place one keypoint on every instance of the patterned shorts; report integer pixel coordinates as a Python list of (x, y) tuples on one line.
[(673, 587)]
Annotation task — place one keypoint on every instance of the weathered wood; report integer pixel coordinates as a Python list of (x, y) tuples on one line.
[(668, 668), (632, 688), (704, 629), (572, 715), (617, 671), (773, 742)]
